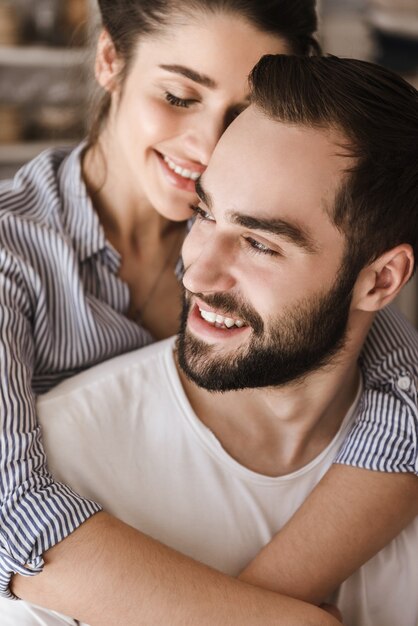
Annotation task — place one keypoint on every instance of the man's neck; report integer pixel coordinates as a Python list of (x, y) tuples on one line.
[(276, 431)]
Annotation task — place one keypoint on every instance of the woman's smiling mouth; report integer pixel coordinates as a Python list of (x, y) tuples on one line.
[(182, 175), (181, 171)]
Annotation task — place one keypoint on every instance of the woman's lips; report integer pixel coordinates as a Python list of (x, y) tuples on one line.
[(185, 183)]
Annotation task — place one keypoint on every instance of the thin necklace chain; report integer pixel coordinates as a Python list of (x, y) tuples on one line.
[(139, 315)]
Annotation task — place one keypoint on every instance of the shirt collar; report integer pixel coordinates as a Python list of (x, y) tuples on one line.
[(79, 217)]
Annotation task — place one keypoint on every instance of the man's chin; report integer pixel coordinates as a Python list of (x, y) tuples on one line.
[(202, 363)]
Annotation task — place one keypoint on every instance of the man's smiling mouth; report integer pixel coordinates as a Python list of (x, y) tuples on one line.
[(220, 321)]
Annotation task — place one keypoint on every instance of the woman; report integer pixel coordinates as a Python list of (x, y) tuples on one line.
[(111, 218)]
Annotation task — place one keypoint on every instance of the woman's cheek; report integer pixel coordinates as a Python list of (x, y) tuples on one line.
[(158, 119)]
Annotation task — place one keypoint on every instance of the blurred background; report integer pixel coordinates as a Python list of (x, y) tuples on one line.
[(46, 58), (43, 76)]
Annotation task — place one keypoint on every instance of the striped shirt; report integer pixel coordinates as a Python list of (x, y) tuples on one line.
[(385, 435), (62, 309)]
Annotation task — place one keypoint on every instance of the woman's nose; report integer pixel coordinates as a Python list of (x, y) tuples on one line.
[(203, 136)]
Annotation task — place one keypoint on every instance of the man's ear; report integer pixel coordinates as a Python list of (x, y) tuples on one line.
[(108, 63), (380, 282)]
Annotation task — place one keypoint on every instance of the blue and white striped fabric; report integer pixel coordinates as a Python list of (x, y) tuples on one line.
[(61, 310), (385, 436)]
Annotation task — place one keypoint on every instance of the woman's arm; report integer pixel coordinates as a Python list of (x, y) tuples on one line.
[(35, 512), (350, 516), (107, 573)]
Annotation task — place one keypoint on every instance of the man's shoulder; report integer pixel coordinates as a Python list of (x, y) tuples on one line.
[(143, 365)]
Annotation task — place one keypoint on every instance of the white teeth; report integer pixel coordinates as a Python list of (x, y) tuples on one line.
[(180, 170), (208, 316), (214, 318)]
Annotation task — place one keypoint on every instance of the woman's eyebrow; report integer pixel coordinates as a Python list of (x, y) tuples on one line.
[(201, 79)]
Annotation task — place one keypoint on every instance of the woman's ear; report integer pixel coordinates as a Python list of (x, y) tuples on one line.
[(380, 282), (108, 63)]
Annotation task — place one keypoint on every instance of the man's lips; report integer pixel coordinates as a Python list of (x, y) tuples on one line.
[(218, 317), (212, 331)]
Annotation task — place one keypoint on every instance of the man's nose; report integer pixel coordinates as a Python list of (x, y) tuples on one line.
[(210, 269)]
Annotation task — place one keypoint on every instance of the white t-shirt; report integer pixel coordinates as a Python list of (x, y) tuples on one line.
[(124, 434)]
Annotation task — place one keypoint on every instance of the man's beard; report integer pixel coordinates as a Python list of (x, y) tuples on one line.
[(301, 340)]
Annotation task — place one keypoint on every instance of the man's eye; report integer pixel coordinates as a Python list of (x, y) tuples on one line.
[(178, 102), (260, 248), (201, 214)]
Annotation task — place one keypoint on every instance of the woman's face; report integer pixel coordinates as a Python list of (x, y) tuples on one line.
[(183, 88)]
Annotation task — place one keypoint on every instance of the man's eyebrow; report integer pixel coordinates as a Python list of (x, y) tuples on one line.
[(202, 79), (289, 230), (203, 195)]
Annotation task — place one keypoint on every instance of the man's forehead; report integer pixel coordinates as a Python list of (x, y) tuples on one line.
[(262, 161), (253, 128)]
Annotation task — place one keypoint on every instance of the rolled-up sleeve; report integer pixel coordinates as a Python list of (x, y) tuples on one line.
[(384, 436), (35, 512)]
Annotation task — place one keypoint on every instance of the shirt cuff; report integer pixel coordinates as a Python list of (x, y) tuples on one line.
[(35, 524)]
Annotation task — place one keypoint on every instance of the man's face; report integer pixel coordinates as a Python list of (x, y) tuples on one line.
[(267, 292)]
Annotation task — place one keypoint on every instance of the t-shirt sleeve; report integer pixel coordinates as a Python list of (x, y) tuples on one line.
[(35, 512), (384, 435)]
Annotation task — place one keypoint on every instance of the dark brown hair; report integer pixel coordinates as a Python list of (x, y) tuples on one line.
[(127, 21), (377, 111)]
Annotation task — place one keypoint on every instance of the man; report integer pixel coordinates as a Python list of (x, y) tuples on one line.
[(294, 249)]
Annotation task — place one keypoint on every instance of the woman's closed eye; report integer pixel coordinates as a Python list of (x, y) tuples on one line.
[(175, 101)]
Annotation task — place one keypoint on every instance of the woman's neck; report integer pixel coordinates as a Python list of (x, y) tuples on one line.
[(149, 244), (127, 217)]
